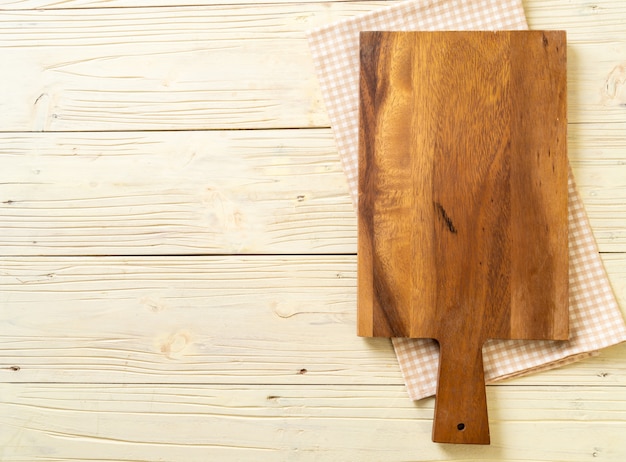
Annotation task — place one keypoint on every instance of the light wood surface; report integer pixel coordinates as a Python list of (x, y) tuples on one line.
[(178, 320), (284, 423), (164, 68), (132, 326)]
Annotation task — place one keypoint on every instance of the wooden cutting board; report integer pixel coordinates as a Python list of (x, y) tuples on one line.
[(463, 201)]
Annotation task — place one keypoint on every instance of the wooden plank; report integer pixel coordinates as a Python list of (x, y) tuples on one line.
[(538, 12), (173, 193), (281, 320), (604, 195), (58, 422), (224, 192), (8, 5), (596, 142), (189, 319), (123, 68), (597, 157), (137, 68)]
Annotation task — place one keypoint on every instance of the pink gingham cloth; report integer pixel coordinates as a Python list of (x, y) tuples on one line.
[(595, 318)]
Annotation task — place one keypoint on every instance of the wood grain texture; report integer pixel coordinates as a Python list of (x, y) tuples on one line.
[(189, 319), (57, 422), (292, 181), (463, 200), (549, 12), (9, 5), (148, 193), (252, 320), (138, 68)]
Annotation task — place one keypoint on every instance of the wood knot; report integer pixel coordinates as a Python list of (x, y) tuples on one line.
[(614, 91), (153, 304), (174, 345)]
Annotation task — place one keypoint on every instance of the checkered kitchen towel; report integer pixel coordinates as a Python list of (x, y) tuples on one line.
[(595, 318)]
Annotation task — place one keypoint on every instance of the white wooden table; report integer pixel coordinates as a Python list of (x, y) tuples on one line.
[(177, 245)]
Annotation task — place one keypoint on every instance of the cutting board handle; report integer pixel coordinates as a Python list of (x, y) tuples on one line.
[(461, 403)]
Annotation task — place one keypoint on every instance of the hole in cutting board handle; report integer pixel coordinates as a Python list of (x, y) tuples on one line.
[(460, 427)]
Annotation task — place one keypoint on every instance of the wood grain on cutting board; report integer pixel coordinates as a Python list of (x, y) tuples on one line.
[(463, 200), (463, 185)]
